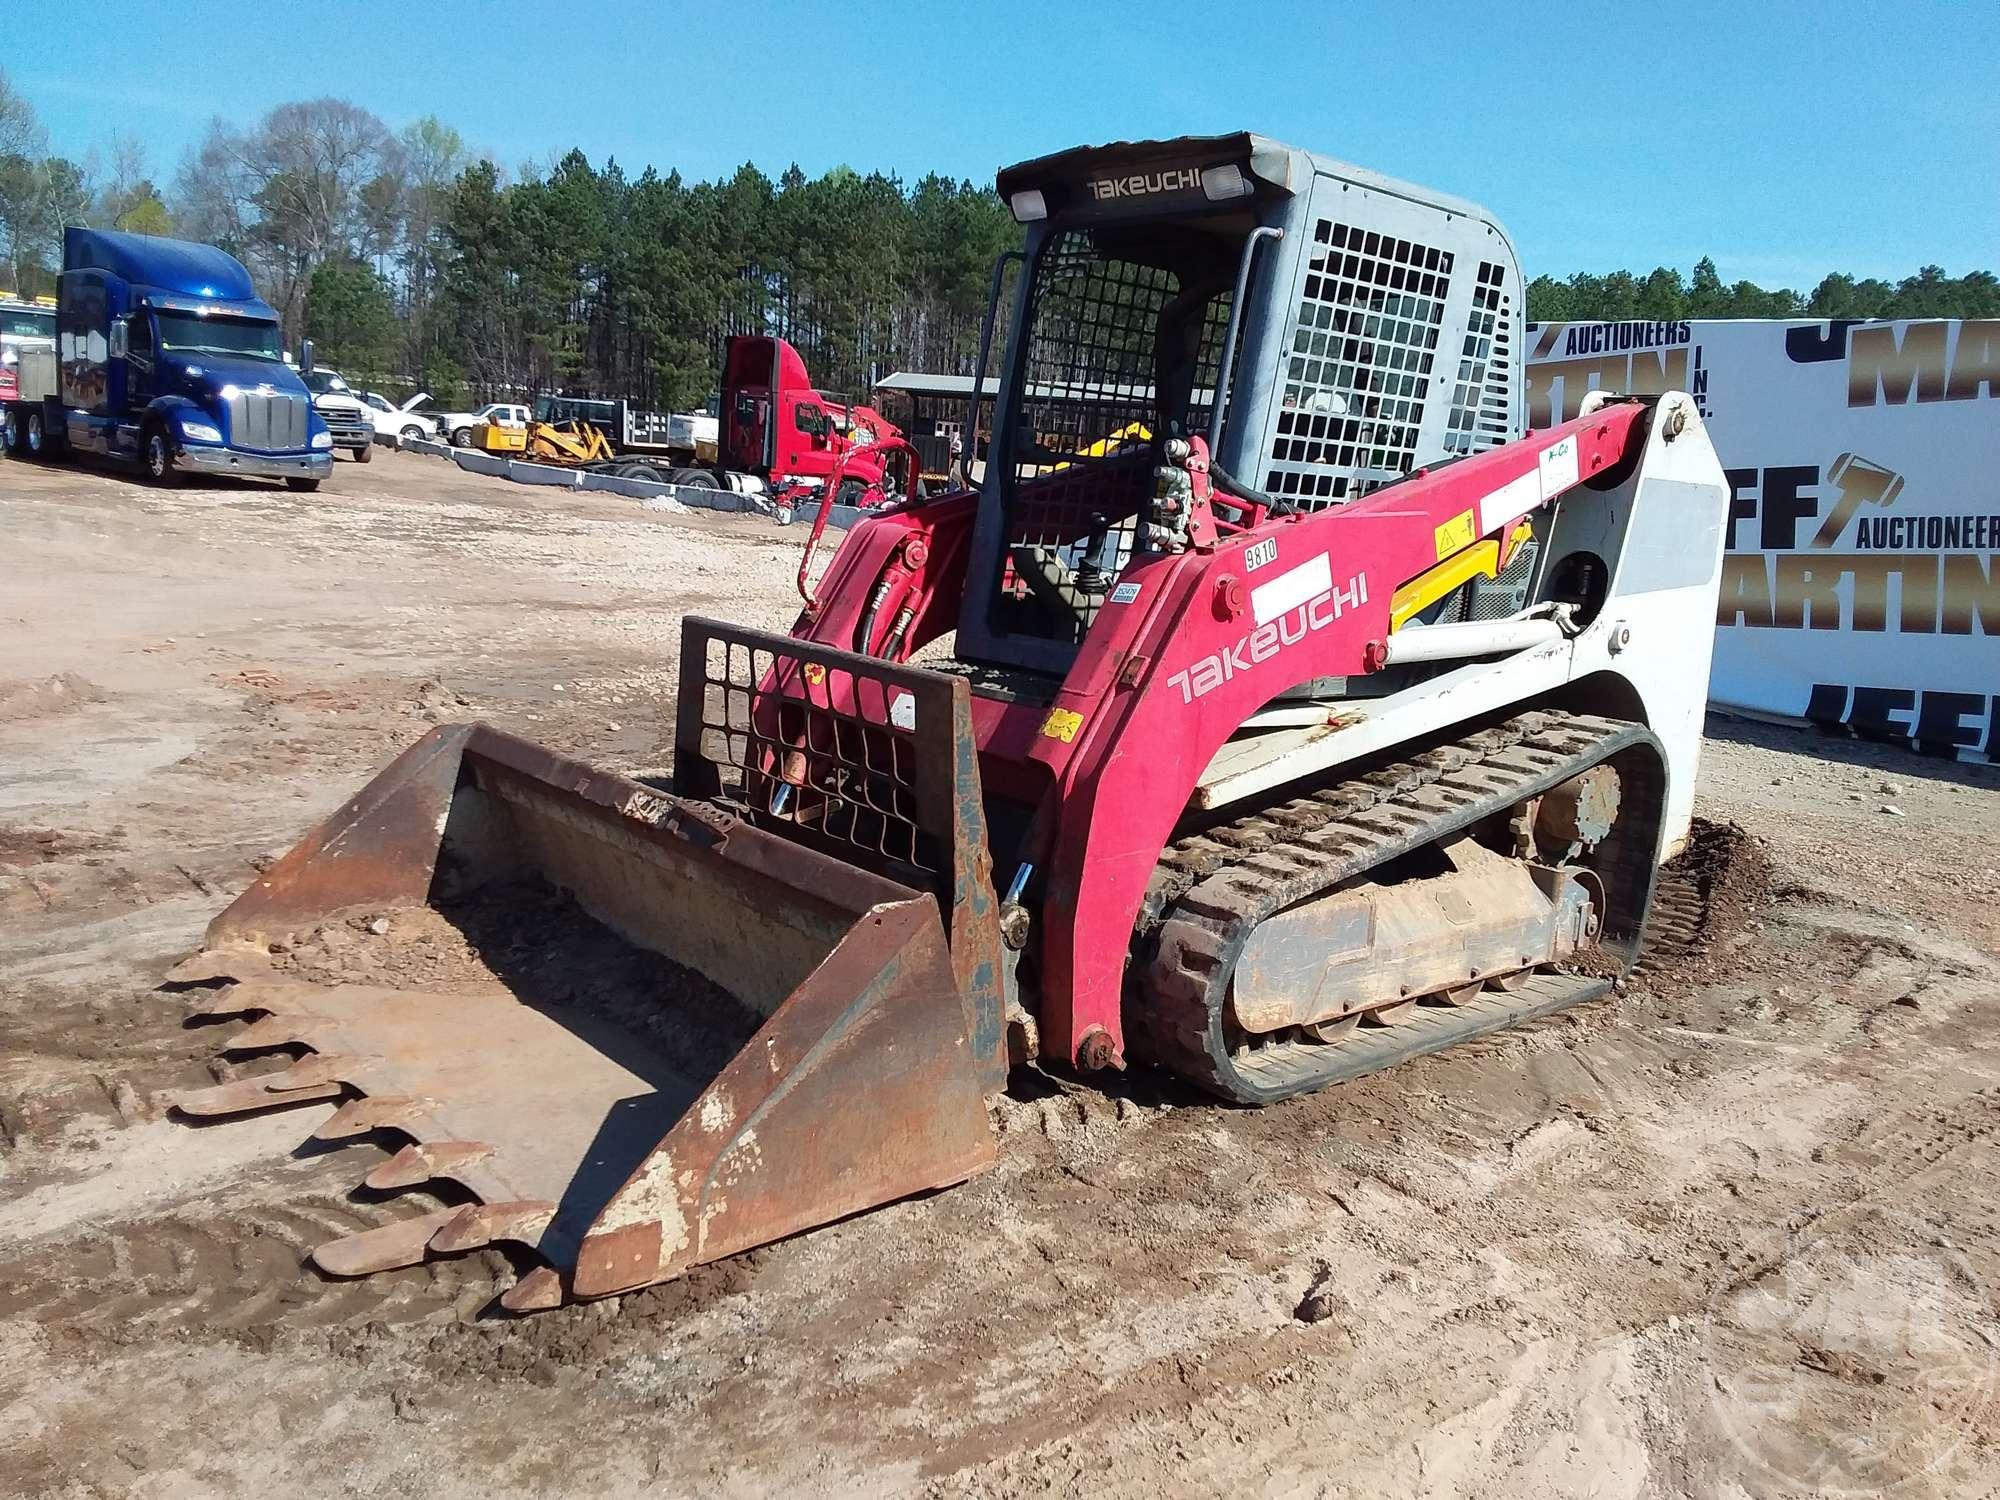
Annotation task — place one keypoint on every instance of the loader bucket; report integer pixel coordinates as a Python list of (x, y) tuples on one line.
[(640, 1032)]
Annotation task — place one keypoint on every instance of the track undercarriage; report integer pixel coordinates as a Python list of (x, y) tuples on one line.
[(1212, 989)]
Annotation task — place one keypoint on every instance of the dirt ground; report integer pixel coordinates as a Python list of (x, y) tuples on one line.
[(1735, 1233)]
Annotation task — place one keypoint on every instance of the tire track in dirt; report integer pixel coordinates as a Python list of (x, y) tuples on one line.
[(240, 1269)]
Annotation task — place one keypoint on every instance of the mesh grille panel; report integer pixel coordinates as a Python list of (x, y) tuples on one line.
[(1208, 362), (830, 751), (1507, 594), (268, 422), (1083, 443), (1358, 371), (1089, 370), (1480, 397)]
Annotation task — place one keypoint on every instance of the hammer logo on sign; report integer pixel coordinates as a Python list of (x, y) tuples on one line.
[(1861, 482)]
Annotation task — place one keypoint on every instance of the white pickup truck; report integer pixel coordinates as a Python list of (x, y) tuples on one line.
[(456, 426), (341, 408), (399, 423)]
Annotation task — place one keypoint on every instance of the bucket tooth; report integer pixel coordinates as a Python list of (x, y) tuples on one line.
[(419, 1162), (238, 961), (230, 1000), (480, 1224), (316, 1068), (538, 1291), (273, 996), (371, 1112), (248, 1094), (386, 1248), (311, 1078), (269, 1031)]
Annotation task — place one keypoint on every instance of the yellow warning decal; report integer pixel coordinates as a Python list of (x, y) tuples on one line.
[(815, 673), (1460, 531), (1061, 724), (1431, 585)]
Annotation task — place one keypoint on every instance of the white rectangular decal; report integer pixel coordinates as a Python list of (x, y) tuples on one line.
[(1260, 555), (1510, 502), (1558, 467), (1125, 593), (1289, 590)]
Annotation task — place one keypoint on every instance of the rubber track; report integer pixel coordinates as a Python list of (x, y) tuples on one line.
[(1213, 888)]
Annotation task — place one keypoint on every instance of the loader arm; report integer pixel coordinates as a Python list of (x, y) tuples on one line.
[(1190, 647)]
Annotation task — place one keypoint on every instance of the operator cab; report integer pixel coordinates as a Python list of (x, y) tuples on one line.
[(1323, 329)]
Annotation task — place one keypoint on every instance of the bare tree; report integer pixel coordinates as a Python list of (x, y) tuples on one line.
[(292, 192), (22, 146), (213, 192), (128, 167), (68, 192), (20, 130)]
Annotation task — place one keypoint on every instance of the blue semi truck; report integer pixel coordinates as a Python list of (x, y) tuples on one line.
[(165, 356)]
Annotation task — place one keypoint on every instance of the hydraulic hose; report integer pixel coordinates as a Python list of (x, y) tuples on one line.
[(1229, 484), (864, 633)]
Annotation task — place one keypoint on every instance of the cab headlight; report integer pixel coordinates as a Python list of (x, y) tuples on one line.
[(201, 432), (322, 440)]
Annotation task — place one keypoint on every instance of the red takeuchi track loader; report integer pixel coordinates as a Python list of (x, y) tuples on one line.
[(1270, 710)]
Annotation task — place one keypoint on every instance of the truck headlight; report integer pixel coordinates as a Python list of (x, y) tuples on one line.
[(322, 440), (201, 432)]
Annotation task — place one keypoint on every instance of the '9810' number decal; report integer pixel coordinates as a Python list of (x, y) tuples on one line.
[(1255, 556)]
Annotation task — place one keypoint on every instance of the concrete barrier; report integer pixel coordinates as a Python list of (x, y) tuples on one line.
[(527, 473), (703, 498), (631, 489), (475, 462), (655, 496), (426, 445), (839, 519)]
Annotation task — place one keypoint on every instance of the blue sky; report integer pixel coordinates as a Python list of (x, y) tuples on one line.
[(1784, 139)]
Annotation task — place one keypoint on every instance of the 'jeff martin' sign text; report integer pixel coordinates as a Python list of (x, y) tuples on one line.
[(1859, 586)]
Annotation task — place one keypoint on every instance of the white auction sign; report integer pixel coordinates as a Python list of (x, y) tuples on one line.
[(1859, 586)]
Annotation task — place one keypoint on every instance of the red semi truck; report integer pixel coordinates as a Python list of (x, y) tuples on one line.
[(777, 426), (777, 435)]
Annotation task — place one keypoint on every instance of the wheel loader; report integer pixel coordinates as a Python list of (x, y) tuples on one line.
[(1270, 711)]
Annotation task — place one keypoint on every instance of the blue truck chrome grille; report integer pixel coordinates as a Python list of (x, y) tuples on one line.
[(273, 423)]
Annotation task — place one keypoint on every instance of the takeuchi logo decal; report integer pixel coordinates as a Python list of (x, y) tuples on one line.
[(1139, 184), (1267, 640)]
